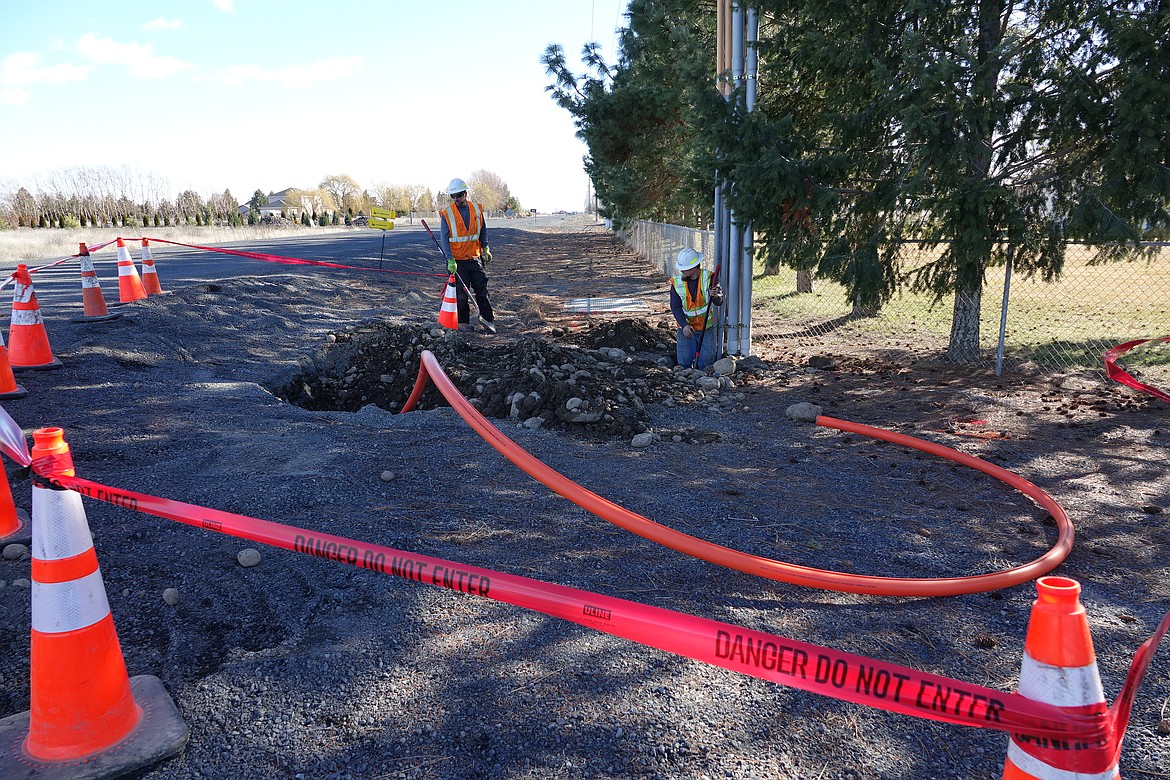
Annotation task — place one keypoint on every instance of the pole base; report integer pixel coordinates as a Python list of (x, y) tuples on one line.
[(160, 734)]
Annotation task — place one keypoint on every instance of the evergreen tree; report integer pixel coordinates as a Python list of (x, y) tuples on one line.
[(973, 126), (636, 118), (258, 199), (970, 125)]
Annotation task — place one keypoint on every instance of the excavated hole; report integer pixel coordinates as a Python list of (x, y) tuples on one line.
[(598, 386)]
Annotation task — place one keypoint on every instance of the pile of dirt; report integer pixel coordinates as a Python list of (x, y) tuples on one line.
[(630, 335), (600, 389)]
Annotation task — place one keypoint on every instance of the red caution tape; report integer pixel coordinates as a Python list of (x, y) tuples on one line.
[(55, 263), (1113, 371), (801, 665), (285, 260)]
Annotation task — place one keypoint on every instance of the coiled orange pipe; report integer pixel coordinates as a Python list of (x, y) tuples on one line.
[(755, 564)]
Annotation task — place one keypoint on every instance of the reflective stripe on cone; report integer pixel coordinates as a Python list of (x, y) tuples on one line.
[(1060, 668), (150, 281), (129, 285), (28, 341), (449, 311)]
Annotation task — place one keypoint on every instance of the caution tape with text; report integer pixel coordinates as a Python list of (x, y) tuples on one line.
[(790, 662)]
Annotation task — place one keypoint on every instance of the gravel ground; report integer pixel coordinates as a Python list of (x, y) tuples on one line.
[(303, 668)]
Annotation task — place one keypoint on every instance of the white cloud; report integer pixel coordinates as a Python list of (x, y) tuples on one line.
[(13, 96), (23, 68), (292, 75), (227, 6), (163, 24), (139, 59)]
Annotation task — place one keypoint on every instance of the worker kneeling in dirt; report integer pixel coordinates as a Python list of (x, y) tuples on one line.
[(692, 294)]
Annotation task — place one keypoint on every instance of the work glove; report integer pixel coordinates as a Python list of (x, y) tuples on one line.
[(487, 254), (451, 264)]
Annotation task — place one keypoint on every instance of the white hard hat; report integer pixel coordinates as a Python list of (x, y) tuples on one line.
[(456, 185), (687, 259)]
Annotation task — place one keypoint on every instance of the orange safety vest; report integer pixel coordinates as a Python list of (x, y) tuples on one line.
[(694, 308), (464, 239)]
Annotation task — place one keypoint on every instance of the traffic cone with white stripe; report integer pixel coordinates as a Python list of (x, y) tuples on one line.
[(1060, 668), (28, 342), (129, 285), (93, 303), (150, 281), (8, 386), (449, 312), (87, 718)]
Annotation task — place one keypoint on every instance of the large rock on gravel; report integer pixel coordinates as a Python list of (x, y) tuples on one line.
[(724, 366), (642, 440), (803, 412)]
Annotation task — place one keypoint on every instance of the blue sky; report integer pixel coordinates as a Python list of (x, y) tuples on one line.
[(261, 94)]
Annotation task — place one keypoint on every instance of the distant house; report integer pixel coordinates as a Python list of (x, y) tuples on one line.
[(284, 203)]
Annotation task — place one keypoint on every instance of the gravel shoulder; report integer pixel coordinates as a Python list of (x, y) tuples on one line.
[(303, 668)]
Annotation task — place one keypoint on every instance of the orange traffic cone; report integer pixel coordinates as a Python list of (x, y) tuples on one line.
[(449, 313), (129, 285), (87, 718), (8, 386), (1060, 668), (92, 301), (14, 524), (149, 273), (28, 340)]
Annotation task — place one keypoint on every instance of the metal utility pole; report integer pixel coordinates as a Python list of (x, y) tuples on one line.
[(737, 30)]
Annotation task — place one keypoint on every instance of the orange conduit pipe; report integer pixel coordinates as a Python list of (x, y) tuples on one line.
[(755, 564)]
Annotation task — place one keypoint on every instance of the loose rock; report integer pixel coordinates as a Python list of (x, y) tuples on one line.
[(803, 412), (248, 557)]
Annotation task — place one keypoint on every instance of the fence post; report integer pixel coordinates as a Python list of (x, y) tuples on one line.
[(1007, 287)]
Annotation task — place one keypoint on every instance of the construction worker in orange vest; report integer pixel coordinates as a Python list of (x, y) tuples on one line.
[(691, 297), (463, 239)]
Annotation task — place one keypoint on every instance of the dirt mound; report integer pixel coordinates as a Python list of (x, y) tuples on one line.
[(629, 335), (601, 392)]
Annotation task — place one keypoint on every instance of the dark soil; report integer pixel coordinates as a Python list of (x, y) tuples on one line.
[(591, 391)]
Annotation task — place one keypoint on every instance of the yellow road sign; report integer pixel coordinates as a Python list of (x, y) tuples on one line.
[(382, 213), (380, 224)]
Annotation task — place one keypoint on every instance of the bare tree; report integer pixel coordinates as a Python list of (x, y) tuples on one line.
[(489, 189), (317, 202), (393, 196), (23, 206), (188, 204), (342, 189), (420, 199)]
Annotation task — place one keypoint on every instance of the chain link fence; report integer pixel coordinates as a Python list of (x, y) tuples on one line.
[(1061, 325)]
